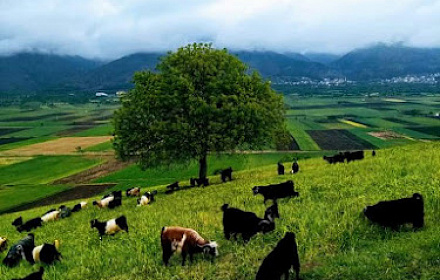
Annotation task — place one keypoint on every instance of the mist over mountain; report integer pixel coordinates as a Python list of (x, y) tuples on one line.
[(384, 61), (35, 72)]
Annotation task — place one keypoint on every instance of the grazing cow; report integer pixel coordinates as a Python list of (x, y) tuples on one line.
[(199, 182), (79, 206), (276, 191), (17, 222), (47, 253), (133, 192), (34, 276), (51, 215), (147, 198), (174, 186), (225, 174), (352, 156), (3, 244), (394, 213), (185, 241), (104, 202), (295, 167), (111, 227), (64, 211), (115, 203), (280, 168), (21, 250), (236, 221), (280, 260), (30, 225)]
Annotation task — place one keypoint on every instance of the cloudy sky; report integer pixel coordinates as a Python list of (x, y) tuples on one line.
[(112, 28)]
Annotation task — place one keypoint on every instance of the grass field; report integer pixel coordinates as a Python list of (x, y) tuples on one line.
[(12, 196), (134, 176), (335, 241), (44, 169)]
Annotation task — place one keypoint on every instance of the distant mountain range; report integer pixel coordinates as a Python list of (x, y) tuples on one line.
[(33, 72)]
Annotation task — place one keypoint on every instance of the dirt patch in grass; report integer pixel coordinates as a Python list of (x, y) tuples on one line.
[(78, 192), (89, 175), (386, 135), (61, 146)]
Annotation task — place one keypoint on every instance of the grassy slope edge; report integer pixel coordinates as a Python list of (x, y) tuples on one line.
[(335, 241)]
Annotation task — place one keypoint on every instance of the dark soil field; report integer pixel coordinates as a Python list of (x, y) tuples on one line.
[(78, 192), (75, 129), (431, 130), (5, 131), (35, 118), (4, 141), (396, 120), (338, 139)]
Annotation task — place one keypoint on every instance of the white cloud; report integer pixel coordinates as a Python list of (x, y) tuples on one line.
[(110, 28)]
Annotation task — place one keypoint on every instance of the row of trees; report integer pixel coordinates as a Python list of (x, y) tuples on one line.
[(200, 100)]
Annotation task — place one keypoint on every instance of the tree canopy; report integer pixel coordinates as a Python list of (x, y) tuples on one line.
[(199, 101)]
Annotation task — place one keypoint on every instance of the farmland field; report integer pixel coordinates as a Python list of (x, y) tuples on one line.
[(44, 169), (66, 145), (412, 117), (339, 140), (334, 240)]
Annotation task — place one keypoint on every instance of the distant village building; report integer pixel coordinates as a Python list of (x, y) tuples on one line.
[(101, 94), (121, 93)]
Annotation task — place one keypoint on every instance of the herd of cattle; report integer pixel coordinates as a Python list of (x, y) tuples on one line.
[(236, 222)]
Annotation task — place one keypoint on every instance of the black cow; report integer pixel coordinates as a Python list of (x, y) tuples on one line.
[(34, 276), (30, 225), (236, 221), (226, 174), (394, 213), (21, 250), (280, 168), (276, 191), (295, 167), (280, 260)]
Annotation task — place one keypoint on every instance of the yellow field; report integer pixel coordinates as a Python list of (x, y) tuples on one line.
[(61, 146), (11, 160), (355, 124)]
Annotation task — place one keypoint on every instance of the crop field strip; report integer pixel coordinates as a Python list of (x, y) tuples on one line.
[(431, 130), (59, 146), (8, 130), (34, 118), (339, 140), (4, 141)]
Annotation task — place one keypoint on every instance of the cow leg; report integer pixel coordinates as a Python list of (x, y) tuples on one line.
[(183, 257), (297, 273), (227, 234), (167, 253)]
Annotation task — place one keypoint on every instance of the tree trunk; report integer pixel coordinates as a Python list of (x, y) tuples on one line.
[(203, 167)]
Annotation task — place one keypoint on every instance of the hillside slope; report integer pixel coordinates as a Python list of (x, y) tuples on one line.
[(335, 241), (36, 72), (385, 61)]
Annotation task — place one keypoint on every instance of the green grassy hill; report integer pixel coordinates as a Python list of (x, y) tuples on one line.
[(335, 241)]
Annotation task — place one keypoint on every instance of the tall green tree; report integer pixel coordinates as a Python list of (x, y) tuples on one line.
[(201, 100)]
